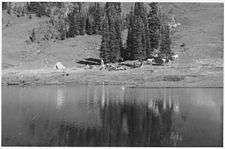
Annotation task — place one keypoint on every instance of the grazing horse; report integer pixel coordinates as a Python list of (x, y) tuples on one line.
[(150, 60), (164, 60), (103, 66), (59, 66), (175, 56), (102, 62)]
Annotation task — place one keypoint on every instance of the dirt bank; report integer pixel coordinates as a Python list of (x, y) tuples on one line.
[(173, 75)]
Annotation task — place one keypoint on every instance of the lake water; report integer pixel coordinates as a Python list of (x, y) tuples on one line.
[(86, 115)]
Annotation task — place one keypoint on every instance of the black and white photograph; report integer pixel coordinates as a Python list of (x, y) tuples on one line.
[(112, 74)]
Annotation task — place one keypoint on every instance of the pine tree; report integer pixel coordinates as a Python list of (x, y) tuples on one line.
[(81, 23), (154, 27), (111, 37), (138, 40), (88, 26), (118, 31), (72, 25), (138, 48), (97, 18), (127, 55), (165, 43), (140, 10), (105, 44), (38, 8), (4, 5), (76, 21)]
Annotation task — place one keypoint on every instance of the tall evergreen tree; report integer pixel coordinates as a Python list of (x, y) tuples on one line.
[(105, 44), (73, 24), (128, 53), (4, 5), (138, 38), (154, 27), (88, 26), (165, 43), (97, 18), (81, 22), (111, 38), (140, 10), (38, 8), (76, 20)]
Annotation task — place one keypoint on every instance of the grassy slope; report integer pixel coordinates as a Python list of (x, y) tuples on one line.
[(201, 31)]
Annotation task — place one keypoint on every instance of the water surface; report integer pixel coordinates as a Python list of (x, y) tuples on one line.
[(86, 115)]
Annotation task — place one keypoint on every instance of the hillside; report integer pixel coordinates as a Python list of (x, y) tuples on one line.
[(201, 31)]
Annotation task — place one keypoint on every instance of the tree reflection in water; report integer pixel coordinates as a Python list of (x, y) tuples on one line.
[(125, 123), (60, 98), (112, 116)]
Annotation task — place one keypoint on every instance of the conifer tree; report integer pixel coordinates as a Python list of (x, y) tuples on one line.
[(165, 43), (138, 40), (76, 20), (97, 18), (4, 5), (127, 55), (73, 25), (154, 27), (140, 10), (88, 26), (105, 44), (81, 22), (139, 47), (111, 37), (38, 8)]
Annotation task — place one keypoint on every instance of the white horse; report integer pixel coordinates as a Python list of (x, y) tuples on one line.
[(59, 66), (103, 66), (150, 60), (175, 56), (164, 60), (102, 62)]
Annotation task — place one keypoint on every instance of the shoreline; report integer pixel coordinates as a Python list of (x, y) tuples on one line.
[(148, 76)]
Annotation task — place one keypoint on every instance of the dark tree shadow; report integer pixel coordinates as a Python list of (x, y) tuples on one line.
[(128, 65), (158, 64), (90, 61), (94, 60)]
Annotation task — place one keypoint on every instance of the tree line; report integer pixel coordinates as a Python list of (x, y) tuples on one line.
[(148, 32), (67, 18)]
